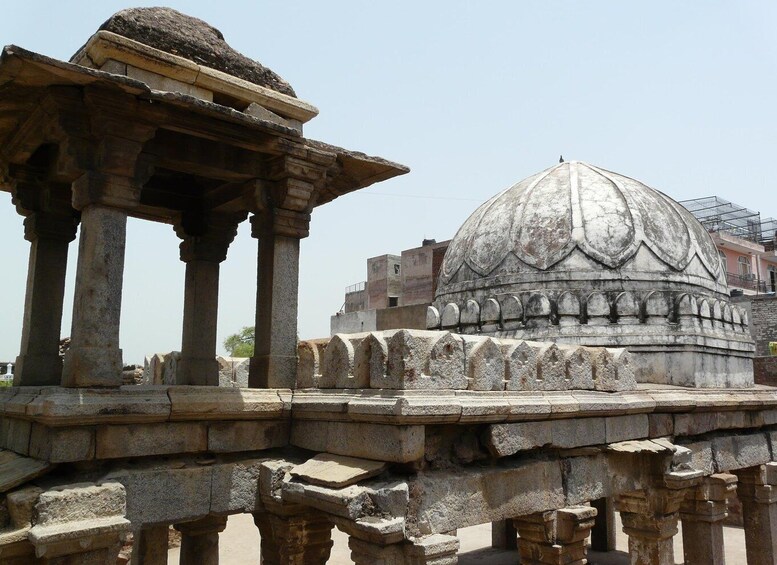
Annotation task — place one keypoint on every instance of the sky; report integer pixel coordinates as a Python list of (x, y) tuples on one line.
[(473, 97)]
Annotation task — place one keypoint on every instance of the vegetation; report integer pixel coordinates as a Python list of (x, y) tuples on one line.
[(241, 344)]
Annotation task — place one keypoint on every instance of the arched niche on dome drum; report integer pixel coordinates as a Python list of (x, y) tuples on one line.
[(470, 317), (597, 309), (512, 313), (627, 308), (537, 310), (569, 309), (490, 316), (656, 307)]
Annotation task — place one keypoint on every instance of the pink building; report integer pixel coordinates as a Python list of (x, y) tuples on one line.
[(745, 240)]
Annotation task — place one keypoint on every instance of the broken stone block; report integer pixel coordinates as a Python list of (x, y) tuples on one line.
[(485, 364), (503, 440), (337, 369), (308, 365), (337, 470)]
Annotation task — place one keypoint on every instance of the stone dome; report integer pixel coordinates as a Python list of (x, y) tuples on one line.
[(580, 255), (577, 223)]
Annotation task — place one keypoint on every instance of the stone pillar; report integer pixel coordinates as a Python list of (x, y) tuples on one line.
[(603, 533), (650, 520), (150, 546), (274, 364), (437, 549), (203, 248), (702, 513), (555, 537), (49, 234), (757, 493), (294, 539), (200, 540), (503, 535), (94, 357)]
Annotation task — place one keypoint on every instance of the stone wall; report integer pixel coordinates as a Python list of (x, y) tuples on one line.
[(765, 369), (763, 323)]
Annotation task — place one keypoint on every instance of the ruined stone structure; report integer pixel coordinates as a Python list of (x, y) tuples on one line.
[(398, 438)]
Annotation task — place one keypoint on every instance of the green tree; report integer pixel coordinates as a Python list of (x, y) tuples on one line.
[(241, 344)]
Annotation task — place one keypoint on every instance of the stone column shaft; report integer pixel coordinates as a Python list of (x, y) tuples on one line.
[(274, 364), (200, 540), (198, 365), (204, 247), (295, 539), (702, 513), (603, 533), (94, 358), (557, 537), (39, 362), (758, 495), (150, 546)]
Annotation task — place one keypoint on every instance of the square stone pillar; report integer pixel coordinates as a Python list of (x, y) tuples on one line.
[(94, 357), (556, 537), (503, 535), (702, 513), (294, 539), (758, 495), (274, 364), (200, 540), (603, 533), (49, 234), (150, 546), (650, 520), (204, 247)]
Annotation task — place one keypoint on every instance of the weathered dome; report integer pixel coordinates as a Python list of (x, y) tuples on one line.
[(580, 255), (577, 222)]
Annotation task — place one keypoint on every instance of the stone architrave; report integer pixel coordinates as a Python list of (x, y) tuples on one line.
[(200, 540), (758, 494), (702, 513)]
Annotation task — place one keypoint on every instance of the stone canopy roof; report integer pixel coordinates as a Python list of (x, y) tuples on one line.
[(191, 38)]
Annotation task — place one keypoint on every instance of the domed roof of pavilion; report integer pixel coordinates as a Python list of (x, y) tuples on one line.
[(191, 38), (576, 225)]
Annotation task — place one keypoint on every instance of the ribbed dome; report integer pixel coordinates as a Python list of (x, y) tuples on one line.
[(576, 225)]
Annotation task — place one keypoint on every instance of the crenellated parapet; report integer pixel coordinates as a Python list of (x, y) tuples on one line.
[(539, 309), (441, 360)]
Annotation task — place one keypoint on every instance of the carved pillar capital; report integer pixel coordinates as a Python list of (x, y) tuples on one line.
[(207, 237)]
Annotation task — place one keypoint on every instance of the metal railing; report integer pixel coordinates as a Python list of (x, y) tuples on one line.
[(749, 282), (356, 287)]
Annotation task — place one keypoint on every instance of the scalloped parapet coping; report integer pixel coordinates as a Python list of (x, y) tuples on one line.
[(538, 309), (441, 360)]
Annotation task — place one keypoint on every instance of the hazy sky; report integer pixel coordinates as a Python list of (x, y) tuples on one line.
[(473, 96)]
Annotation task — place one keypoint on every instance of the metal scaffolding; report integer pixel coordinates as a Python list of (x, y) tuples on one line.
[(719, 215)]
